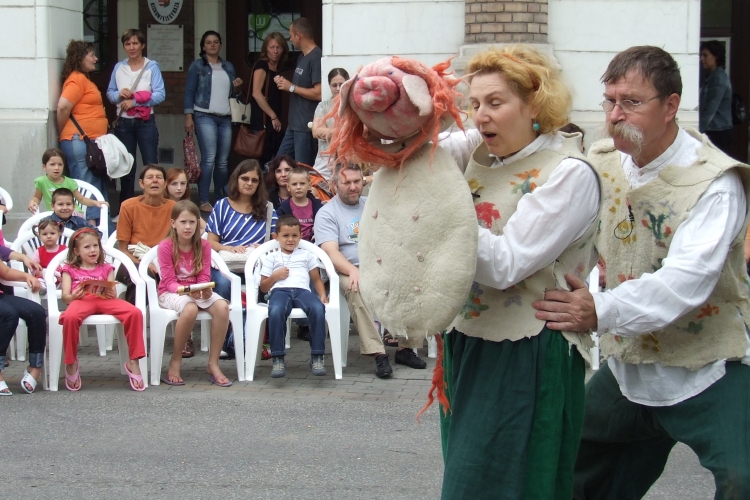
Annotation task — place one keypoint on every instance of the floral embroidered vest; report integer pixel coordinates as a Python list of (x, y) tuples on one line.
[(714, 330), (498, 315)]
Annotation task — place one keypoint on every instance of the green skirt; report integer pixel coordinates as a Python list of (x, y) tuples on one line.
[(516, 417)]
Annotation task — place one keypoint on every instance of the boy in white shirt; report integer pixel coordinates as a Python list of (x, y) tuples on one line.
[(287, 274)]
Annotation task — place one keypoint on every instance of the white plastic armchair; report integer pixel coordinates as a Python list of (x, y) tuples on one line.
[(55, 329), (337, 314), (161, 318), (6, 199), (27, 243)]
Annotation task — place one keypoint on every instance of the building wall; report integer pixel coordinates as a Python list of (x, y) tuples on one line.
[(356, 32), (33, 34)]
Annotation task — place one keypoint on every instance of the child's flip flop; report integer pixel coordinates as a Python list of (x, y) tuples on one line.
[(132, 377), (28, 379), (165, 379), (212, 379), (70, 381)]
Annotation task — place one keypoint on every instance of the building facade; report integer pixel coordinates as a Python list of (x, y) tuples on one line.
[(580, 35)]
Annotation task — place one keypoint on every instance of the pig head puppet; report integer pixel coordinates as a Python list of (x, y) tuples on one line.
[(418, 232)]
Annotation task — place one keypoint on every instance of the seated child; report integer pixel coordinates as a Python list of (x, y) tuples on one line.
[(63, 206), (287, 274), (86, 262), (53, 163), (185, 259), (302, 204), (48, 231)]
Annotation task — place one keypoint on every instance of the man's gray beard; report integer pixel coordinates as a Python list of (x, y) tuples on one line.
[(627, 131)]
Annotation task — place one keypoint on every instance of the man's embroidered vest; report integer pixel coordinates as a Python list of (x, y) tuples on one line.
[(714, 330), (498, 315)]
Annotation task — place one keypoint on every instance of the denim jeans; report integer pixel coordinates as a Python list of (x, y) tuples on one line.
[(223, 285), (301, 146), (280, 305), (214, 134), (144, 135), (11, 309), (75, 154)]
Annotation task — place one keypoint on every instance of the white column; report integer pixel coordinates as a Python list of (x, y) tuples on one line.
[(34, 34)]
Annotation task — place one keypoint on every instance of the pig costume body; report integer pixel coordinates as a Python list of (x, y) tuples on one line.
[(418, 236)]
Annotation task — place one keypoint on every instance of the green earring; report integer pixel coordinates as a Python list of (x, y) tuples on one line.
[(535, 126)]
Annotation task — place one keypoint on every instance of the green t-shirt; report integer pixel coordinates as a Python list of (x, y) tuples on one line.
[(47, 187)]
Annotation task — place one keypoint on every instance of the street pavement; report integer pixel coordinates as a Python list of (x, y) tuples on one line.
[(300, 436)]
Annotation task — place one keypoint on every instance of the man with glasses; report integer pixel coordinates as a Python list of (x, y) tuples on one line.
[(673, 321)]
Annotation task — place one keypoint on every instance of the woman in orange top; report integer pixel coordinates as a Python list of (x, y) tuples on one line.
[(81, 99)]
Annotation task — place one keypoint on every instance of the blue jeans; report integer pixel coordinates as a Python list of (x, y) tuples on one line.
[(144, 135), (11, 309), (301, 146), (223, 285), (75, 153), (214, 135), (280, 305)]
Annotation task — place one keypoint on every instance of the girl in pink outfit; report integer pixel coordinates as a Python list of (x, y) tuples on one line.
[(86, 262), (185, 259)]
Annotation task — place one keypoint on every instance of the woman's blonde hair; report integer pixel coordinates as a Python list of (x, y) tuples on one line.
[(532, 78), (195, 242)]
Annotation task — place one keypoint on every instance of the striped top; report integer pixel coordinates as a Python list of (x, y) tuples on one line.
[(236, 228)]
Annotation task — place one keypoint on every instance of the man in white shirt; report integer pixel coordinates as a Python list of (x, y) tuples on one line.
[(673, 321)]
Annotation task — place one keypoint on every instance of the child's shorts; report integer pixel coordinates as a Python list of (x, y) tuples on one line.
[(177, 302)]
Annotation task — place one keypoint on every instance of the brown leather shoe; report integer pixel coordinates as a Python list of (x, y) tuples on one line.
[(206, 208)]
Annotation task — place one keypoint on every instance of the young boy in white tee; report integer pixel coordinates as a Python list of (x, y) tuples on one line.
[(287, 274)]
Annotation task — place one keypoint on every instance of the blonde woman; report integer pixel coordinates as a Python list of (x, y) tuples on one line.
[(515, 387)]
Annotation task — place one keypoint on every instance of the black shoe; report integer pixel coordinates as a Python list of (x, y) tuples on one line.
[(303, 333), (408, 358), (382, 366)]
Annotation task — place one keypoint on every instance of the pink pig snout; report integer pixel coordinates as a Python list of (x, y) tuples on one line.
[(375, 93)]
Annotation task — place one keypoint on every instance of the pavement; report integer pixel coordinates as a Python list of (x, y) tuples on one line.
[(297, 436)]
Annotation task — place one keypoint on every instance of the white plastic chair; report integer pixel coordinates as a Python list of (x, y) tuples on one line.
[(6, 199), (337, 316), (88, 191), (161, 318), (594, 288), (55, 329), (27, 243), (33, 296)]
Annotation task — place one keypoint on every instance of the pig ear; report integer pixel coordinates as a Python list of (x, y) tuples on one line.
[(344, 94), (419, 94)]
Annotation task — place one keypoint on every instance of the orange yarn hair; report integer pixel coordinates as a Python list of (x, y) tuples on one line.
[(438, 382), (349, 139)]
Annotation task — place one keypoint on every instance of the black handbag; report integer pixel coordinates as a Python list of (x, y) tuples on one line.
[(94, 156)]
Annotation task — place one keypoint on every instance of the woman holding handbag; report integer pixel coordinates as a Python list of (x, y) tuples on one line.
[(82, 100), (136, 86), (211, 81), (266, 104)]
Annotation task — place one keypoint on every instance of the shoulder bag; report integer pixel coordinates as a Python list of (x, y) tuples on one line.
[(251, 144), (94, 156), (113, 126), (241, 110)]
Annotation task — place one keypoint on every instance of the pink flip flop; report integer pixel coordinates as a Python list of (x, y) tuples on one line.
[(70, 380), (213, 380), (133, 377)]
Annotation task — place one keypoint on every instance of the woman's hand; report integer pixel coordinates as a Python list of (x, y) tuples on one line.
[(237, 82), (31, 265), (237, 249), (33, 283), (127, 105), (276, 124), (126, 94), (189, 125)]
